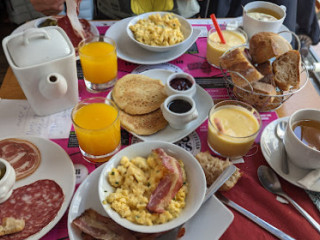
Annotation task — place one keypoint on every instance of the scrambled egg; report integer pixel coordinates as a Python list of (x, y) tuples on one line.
[(134, 181), (158, 31)]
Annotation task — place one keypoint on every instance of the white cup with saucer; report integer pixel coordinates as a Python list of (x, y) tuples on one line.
[(260, 16)]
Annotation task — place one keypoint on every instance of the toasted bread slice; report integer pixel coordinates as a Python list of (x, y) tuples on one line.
[(287, 69)]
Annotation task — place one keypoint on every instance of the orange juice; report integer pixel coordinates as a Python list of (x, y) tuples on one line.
[(97, 127), (238, 130), (99, 62), (215, 48)]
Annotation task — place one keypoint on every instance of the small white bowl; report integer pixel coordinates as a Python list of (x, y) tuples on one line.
[(7, 180), (179, 120), (186, 29), (195, 177), (171, 90)]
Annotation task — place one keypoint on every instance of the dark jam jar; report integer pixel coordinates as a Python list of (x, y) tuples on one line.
[(179, 106), (180, 84)]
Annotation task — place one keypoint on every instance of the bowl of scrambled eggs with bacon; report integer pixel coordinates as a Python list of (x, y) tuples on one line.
[(152, 187), (159, 31)]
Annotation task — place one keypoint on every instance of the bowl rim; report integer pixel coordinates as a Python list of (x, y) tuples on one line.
[(146, 15), (146, 147)]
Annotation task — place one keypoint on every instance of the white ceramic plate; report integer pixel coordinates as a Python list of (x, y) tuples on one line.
[(269, 146), (203, 103), (131, 52), (210, 222), (32, 23), (55, 165)]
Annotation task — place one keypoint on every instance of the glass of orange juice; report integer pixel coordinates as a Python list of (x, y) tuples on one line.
[(99, 64), (232, 128), (97, 125)]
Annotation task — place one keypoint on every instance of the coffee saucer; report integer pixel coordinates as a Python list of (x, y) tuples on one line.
[(269, 147)]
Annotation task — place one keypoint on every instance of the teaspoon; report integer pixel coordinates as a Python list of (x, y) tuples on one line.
[(280, 130), (270, 181)]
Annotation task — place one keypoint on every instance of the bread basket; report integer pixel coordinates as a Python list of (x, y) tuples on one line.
[(262, 102)]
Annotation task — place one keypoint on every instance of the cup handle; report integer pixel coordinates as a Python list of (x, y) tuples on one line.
[(195, 115), (283, 8)]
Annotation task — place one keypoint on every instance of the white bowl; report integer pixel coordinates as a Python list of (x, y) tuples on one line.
[(7, 180), (195, 177), (189, 92), (186, 29)]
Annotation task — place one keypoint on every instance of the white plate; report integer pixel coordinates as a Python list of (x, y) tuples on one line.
[(31, 24), (269, 146), (211, 221), (55, 165), (131, 52), (203, 102)]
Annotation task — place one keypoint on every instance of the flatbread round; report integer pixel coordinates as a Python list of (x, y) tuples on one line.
[(146, 124), (23, 156), (138, 94)]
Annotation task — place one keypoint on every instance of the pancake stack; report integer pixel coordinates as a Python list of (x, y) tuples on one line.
[(139, 98)]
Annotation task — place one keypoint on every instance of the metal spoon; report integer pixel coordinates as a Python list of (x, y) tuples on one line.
[(280, 130), (270, 181)]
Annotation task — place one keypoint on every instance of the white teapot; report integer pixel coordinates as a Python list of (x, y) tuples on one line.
[(44, 63)]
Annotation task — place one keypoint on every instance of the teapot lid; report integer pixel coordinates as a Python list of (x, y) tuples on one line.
[(38, 45)]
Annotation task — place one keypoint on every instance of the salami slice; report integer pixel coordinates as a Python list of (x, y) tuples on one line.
[(37, 203), (23, 155)]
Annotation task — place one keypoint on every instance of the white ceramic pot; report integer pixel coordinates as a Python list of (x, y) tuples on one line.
[(43, 60), (7, 180)]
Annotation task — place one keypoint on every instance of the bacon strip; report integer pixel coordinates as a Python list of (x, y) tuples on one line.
[(72, 14), (168, 186), (101, 227)]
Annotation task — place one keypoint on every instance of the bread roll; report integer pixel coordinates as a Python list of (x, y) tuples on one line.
[(213, 167), (237, 61), (287, 69), (266, 45), (261, 96)]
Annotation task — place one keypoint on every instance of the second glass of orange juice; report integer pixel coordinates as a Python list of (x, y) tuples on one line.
[(98, 59), (97, 126)]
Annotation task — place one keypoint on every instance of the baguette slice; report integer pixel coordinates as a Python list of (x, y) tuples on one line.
[(266, 45), (286, 70), (237, 61), (213, 167)]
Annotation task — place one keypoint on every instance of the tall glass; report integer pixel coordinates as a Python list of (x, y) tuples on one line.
[(97, 125), (98, 59), (232, 128)]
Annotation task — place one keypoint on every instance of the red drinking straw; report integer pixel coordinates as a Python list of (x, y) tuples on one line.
[(216, 25)]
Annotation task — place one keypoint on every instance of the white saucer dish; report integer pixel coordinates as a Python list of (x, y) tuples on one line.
[(55, 165), (186, 30), (210, 222), (129, 51), (269, 147), (203, 104)]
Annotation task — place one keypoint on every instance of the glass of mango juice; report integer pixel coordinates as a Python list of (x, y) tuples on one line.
[(232, 128), (215, 49), (99, 64), (97, 125)]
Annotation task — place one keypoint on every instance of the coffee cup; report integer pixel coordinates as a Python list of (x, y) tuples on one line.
[(260, 16), (301, 138)]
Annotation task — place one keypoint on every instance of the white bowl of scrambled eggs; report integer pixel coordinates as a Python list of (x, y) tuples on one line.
[(128, 176), (159, 31)]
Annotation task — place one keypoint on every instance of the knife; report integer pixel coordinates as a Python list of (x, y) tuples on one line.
[(267, 226)]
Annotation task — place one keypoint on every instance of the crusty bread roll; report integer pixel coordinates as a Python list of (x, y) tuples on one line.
[(260, 96), (213, 167), (266, 45), (287, 69), (237, 61)]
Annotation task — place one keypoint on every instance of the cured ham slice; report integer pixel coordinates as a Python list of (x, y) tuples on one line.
[(95, 226), (76, 29), (37, 204), (23, 156), (168, 186)]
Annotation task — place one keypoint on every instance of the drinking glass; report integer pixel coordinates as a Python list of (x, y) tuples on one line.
[(98, 59), (97, 126)]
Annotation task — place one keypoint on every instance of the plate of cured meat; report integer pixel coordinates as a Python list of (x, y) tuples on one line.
[(45, 182)]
